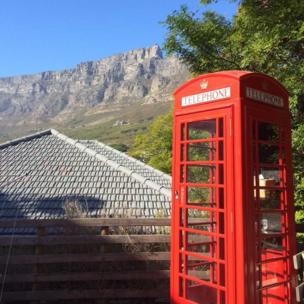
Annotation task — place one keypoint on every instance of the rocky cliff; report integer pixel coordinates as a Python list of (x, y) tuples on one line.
[(141, 75)]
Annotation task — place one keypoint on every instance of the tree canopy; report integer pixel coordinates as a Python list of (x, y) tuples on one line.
[(264, 36), (155, 146)]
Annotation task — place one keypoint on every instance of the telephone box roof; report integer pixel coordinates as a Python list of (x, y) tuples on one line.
[(235, 74)]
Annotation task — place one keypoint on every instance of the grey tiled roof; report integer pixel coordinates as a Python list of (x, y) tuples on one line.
[(131, 163), (40, 173)]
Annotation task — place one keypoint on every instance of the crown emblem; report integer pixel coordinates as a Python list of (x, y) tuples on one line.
[(204, 84)]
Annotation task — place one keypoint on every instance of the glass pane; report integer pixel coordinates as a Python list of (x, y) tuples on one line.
[(221, 223), (258, 270), (221, 174), (272, 243), (274, 294), (221, 150), (200, 196), (181, 285), (182, 131), (273, 272), (270, 199), (221, 127), (201, 151), (201, 174), (199, 243), (222, 275), (201, 220), (200, 294), (182, 216), (181, 263), (271, 223), (269, 154), (201, 129), (221, 198), (182, 152), (268, 131), (222, 248), (269, 177), (268, 253), (182, 174), (201, 269), (222, 297)]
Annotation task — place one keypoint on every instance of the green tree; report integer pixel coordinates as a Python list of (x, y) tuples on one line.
[(120, 147), (154, 147), (265, 36)]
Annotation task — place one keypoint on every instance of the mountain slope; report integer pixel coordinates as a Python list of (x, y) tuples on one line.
[(91, 95)]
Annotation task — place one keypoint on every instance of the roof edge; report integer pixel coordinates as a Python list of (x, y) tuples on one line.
[(134, 159), (25, 138), (132, 174)]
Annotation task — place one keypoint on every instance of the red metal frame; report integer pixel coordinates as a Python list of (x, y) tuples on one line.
[(219, 243)]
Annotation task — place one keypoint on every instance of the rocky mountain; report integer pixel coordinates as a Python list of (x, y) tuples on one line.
[(142, 76)]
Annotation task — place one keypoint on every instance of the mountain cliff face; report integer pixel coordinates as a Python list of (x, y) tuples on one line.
[(111, 99), (142, 75)]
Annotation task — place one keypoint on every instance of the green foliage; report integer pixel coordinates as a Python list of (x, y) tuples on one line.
[(120, 147), (101, 126), (298, 148), (155, 146), (265, 36), (199, 43)]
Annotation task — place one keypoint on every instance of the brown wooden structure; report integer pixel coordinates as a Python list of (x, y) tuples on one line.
[(76, 263), (72, 260)]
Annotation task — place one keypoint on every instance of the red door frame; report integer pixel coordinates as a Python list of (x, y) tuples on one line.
[(226, 113)]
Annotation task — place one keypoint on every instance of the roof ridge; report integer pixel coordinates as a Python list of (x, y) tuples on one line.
[(163, 174), (25, 138), (113, 164)]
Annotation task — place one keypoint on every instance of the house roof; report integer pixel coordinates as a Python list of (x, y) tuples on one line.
[(131, 163), (40, 174)]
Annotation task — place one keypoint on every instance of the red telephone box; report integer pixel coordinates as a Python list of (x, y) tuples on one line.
[(233, 231)]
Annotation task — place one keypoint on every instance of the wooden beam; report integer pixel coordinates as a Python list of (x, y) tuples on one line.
[(87, 258), (86, 222), (51, 295), (50, 240), (88, 276)]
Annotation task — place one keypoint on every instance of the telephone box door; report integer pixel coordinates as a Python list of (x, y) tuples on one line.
[(271, 205), (203, 208)]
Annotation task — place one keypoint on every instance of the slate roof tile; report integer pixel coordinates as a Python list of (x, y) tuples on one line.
[(39, 173)]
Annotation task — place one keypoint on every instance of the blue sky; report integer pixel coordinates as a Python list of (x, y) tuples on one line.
[(41, 35)]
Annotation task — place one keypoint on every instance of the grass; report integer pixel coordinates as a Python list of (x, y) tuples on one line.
[(137, 116)]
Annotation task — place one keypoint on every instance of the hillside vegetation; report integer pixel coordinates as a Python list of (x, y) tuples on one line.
[(118, 127)]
